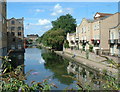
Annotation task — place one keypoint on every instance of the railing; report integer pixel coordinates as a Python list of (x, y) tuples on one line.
[(119, 41), (114, 41), (111, 41)]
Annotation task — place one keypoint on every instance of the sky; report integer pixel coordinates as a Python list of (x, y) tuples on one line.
[(38, 15)]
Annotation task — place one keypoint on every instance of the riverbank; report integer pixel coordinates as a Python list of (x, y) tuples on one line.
[(94, 65)]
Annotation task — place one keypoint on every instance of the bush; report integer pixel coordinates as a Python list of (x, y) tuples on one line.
[(66, 44), (90, 48)]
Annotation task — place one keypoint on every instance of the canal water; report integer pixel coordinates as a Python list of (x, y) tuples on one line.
[(41, 64), (45, 64)]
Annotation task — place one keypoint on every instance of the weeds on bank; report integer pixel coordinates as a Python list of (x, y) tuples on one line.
[(14, 79)]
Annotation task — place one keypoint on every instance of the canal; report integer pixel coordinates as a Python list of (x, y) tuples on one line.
[(41, 64), (44, 64)]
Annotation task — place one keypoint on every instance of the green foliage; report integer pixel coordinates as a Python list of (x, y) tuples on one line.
[(6, 66), (83, 47), (30, 40), (90, 48), (66, 44), (54, 39), (65, 22), (87, 54), (57, 65), (12, 80)]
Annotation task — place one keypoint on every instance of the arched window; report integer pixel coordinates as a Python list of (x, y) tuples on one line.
[(13, 22)]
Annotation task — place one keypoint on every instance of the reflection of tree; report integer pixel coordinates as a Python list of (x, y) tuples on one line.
[(58, 66)]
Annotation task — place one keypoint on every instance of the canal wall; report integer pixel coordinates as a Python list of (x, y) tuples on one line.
[(91, 64), (92, 56)]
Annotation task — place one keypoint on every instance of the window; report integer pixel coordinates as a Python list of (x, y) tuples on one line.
[(3, 20), (19, 28), (85, 29), (12, 47), (19, 46), (94, 27), (13, 22), (0, 17), (13, 34), (0, 35), (82, 30), (119, 37), (19, 33), (13, 39), (7, 33), (12, 28), (19, 56)]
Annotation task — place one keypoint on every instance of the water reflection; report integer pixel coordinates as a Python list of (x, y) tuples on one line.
[(87, 76), (17, 58), (57, 65), (47, 65)]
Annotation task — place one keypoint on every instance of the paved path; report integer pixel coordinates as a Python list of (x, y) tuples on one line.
[(91, 64)]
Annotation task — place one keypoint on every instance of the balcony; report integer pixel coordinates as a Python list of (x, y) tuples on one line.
[(77, 39), (114, 41), (95, 41), (118, 42)]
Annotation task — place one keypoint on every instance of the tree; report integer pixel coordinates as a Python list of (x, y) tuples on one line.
[(65, 22), (66, 44), (54, 39)]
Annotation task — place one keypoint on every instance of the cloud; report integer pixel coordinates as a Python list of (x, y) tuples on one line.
[(43, 22), (47, 26), (58, 9), (39, 10)]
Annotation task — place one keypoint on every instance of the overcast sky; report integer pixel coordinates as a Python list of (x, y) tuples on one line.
[(38, 15)]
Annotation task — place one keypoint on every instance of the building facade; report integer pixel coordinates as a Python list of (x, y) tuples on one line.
[(84, 33), (15, 32), (32, 37), (3, 29), (114, 40), (105, 26), (96, 32), (71, 38)]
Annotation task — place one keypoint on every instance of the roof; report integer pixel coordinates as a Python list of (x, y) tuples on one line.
[(98, 15), (33, 35), (90, 20), (20, 19), (71, 34)]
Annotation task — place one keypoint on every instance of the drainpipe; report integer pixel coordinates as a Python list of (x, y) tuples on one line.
[(100, 35)]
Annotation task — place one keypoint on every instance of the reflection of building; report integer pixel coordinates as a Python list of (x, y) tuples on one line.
[(15, 32), (17, 59), (85, 75), (32, 37), (115, 40), (3, 28)]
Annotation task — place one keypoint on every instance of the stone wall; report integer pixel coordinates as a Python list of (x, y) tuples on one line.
[(91, 56)]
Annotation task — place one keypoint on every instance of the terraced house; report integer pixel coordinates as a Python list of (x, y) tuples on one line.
[(114, 41), (15, 32), (96, 32), (71, 38), (84, 33), (3, 28)]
